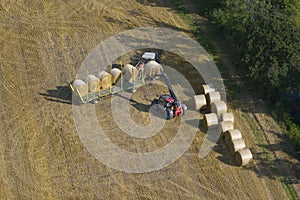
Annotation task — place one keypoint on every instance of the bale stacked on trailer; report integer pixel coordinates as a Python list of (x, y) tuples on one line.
[(92, 82), (236, 145), (227, 117), (130, 73), (212, 97), (243, 157), (81, 87), (207, 88), (199, 101), (153, 68), (105, 79), (226, 126), (116, 74), (231, 135), (219, 107), (210, 119)]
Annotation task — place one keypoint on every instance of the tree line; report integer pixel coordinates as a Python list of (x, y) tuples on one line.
[(267, 40), (266, 37)]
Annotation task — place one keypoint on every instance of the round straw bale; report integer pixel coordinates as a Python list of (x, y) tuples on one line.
[(116, 74), (126, 68), (130, 73), (105, 79), (227, 117), (92, 82), (243, 157), (210, 119), (208, 88), (81, 86), (231, 135), (213, 97), (219, 107), (199, 101), (152, 68), (226, 126), (236, 145)]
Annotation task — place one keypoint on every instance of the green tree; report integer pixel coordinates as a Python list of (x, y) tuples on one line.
[(271, 50)]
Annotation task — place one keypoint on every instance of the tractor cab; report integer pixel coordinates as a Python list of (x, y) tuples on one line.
[(166, 100), (168, 103), (148, 56)]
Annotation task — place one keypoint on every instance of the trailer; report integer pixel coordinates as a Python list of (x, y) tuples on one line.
[(130, 79)]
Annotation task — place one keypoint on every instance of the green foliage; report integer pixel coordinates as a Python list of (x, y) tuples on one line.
[(289, 7), (267, 40), (271, 49), (292, 130)]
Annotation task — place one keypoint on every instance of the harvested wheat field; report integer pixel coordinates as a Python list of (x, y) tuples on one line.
[(41, 155)]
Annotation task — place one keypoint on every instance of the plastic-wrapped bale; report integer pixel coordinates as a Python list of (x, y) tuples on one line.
[(199, 101), (219, 107), (105, 79), (231, 135), (207, 88), (236, 145), (227, 117), (81, 87), (153, 68), (130, 73), (213, 97), (116, 74), (210, 119), (243, 157), (92, 82), (226, 126)]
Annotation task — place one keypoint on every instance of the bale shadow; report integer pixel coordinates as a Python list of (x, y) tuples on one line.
[(62, 94), (225, 157)]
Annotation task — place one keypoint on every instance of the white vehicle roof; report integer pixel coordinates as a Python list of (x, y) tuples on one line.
[(148, 55)]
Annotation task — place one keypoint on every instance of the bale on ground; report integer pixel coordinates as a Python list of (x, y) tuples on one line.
[(208, 88), (243, 157), (219, 107), (105, 79), (210, 119), (227, 117), (199, 101), (226, 126), (130, 73), (213, 97), (81, 87), (116, 74), (231, 135), (236, 145), (92, 82), (153, 68)]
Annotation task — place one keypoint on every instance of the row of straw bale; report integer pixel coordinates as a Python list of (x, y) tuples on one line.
[(105, 79), (219, 116)]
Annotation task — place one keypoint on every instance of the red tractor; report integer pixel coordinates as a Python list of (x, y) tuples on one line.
[(168, 103)]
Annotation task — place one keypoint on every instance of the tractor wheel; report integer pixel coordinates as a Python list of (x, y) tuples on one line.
[(169, 114), (184, 109)]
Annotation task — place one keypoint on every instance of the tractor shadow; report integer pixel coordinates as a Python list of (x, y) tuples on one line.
[(62, 94), (140, 106), (147, 108)]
